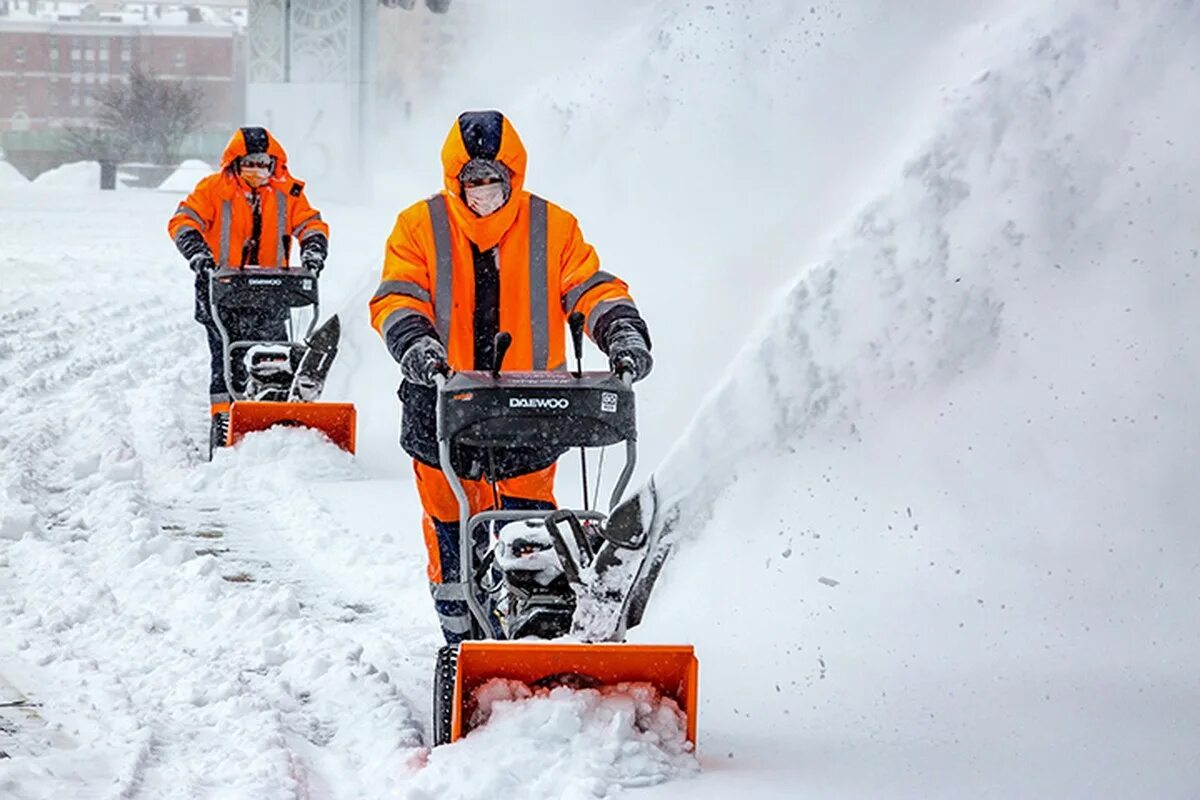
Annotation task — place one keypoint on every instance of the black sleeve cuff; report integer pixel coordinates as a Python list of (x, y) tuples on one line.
[(603, 326), (401, 335), (191, 242)]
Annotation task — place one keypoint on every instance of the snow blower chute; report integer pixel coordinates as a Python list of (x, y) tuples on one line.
[(579, 574), (283, 378)]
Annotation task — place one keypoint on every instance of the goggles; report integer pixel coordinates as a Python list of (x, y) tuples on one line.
[(258, 161)]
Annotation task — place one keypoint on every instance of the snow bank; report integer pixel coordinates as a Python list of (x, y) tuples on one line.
[(78, 175), (560, 743), (10, 177), (942, 497), (187, 176)]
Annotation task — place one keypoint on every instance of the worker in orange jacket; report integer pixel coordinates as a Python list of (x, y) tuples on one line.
[(247, 214), (480, 257)]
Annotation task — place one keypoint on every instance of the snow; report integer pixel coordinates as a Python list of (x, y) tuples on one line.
[(10, 177), (559, 742), (925, 285), (185, 178), (77, 175)]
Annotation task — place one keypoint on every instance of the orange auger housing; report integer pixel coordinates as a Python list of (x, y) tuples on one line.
[(338, 421), (672, 669)]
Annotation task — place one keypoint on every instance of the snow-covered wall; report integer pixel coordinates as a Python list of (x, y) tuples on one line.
[(949, 491)]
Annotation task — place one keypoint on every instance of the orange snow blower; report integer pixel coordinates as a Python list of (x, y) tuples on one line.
[(280, 380), (580, 574)]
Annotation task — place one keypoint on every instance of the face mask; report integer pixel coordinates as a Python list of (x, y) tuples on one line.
[(255, 176), (486, 199)]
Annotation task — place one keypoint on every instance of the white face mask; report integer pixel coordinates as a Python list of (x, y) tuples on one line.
[(255, 176), (486, 199)]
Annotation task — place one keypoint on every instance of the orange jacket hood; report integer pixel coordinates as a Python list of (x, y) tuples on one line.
[(257, 140), (483, 134)]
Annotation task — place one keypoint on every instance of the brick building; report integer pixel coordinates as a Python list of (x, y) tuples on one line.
[(51, 68)]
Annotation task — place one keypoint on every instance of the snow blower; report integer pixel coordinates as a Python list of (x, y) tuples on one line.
[(284, 378), (551, 594)]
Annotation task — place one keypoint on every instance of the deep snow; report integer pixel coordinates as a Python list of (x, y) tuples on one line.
[(934, 526)]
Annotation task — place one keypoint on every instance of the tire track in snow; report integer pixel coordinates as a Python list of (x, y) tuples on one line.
[(216, 685)]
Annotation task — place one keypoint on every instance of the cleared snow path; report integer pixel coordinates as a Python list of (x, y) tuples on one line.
[(200, 630)]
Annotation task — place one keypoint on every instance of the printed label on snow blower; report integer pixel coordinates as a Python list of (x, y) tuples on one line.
[(608, 402), (538, 402)]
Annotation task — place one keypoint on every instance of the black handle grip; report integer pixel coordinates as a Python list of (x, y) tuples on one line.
[(501, 343), (576, 323)]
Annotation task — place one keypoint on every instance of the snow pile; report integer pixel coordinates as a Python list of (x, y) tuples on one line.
[(10, 176), (560, 743), (77, 176), (185, 178), (952, 464)]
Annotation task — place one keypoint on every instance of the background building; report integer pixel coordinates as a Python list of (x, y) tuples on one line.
[(54, 57)]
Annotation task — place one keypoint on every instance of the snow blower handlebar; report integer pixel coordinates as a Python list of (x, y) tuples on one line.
[(259, 288), (554, 409)]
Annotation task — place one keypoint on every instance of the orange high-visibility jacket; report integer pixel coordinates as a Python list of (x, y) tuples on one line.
[(221, 207), (546, 269)]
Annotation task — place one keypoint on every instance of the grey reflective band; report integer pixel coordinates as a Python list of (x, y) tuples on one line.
[(571, 298), (220, 397), (226, 223), (439, 216), (395, 317), (406, 288), (539, 315), (299, 229), (447, 591), (186, 227), (188, 212), (459, 623), (281, 217), (604, 306)]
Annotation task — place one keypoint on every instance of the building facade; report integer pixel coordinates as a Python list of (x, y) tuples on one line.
[(51, 70)]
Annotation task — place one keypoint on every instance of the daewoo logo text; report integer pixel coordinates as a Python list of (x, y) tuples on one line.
[(538, 402)]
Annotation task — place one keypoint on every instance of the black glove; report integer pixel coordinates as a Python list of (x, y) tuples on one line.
[(202, 263), (313, 250), (423, 359), (628, 350)]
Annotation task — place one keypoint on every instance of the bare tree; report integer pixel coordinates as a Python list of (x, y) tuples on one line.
[(146, 118), (94, 143)]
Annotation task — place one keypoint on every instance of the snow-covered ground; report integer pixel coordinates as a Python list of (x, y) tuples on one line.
[(938, 275)]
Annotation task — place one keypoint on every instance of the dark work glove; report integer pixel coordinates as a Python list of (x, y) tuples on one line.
[(202, 263), (423, 359), (628, 350), (313, 250)]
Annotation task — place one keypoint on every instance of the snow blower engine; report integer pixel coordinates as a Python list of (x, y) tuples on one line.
[(284, 378), (574, 573)]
